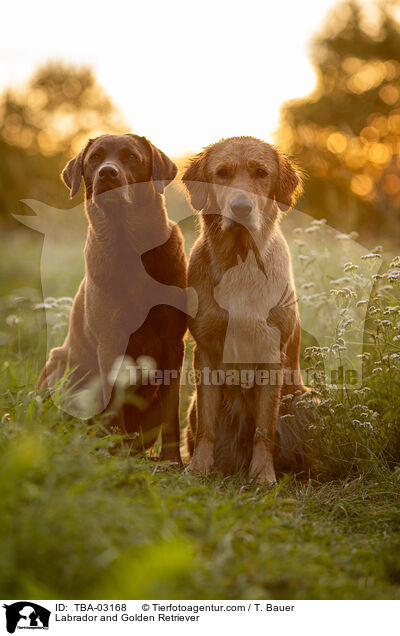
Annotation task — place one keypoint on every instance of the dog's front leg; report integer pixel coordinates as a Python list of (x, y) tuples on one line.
[(208, 406), (267, 399), (107, 355), (106, 358), (170, 428)]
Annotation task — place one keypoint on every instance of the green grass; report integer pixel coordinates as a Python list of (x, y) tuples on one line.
[(79, 520)]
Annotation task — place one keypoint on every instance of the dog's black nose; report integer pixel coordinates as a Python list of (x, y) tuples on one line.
[(241, 207), (108, 172)]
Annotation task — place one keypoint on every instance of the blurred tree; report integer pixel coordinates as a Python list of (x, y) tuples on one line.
[(45, 123), (346, 134)]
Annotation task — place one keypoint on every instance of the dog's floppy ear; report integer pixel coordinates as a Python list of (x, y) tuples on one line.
[(288, 184), (72, 174), (73, 171), (194, 179), (164, 170)]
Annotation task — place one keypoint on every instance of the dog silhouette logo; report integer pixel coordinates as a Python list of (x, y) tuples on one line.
[(334, 278), (26, 615)]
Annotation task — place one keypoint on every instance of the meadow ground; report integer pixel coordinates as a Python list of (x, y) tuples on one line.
[(79, 522)]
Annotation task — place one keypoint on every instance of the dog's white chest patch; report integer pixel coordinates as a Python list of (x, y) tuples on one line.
[(247, 294)]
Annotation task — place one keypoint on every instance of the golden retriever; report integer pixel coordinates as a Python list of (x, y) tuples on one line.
[(247, 316)]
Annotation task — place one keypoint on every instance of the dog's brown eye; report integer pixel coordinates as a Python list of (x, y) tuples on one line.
[(132, 156), (222, 173), (260, 173), (94, 157)]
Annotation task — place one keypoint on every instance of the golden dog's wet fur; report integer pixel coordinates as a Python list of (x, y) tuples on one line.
[(245, 266), (132, 251)]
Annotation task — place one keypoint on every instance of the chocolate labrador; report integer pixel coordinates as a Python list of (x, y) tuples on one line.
[(132, 299)]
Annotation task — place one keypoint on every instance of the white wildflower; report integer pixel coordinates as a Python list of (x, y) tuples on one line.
[(370, 256)]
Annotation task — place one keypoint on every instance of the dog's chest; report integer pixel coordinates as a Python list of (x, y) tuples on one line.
[(248, 294)]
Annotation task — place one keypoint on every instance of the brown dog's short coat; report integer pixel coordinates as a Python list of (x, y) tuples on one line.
[(247, 318), (132, 300)]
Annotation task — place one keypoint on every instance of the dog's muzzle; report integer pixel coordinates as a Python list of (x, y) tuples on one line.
[(241, 208), (110, 182), (108, 177)]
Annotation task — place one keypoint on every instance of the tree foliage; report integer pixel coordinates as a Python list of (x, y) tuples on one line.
[(43, 124), (346, 134)]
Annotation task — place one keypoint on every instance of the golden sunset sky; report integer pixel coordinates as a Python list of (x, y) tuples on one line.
[(184, 74)]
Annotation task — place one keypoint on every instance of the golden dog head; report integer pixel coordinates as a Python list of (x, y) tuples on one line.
[(244, 179)]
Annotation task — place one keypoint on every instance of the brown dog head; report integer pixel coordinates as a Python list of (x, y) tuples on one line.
[(242, 178), (112, 163)]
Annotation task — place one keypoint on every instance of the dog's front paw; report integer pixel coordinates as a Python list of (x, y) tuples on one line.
[(263, 474), (203, 459)]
